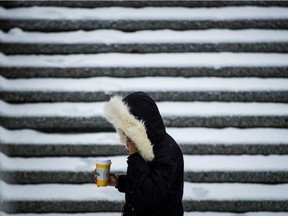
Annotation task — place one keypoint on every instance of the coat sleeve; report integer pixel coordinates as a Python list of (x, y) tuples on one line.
[(122, 183), (152, 183)]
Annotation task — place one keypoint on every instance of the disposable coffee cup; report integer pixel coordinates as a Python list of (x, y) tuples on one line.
[(102, 172)]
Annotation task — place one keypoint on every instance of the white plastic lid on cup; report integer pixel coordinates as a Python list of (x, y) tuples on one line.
[(103, 161)]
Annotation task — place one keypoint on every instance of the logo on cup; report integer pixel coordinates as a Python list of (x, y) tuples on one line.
[(102, 172)]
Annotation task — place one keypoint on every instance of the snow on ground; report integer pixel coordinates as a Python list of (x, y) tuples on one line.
[(193, 136), (147, 13), (214, 60), (192, 191), (208, 109), (17, 35), (146, 84), (201, 163)]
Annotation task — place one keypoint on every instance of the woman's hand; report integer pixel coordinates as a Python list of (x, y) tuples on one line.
[(112, 179)]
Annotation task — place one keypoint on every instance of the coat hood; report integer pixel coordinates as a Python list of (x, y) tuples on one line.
[(137, 116)]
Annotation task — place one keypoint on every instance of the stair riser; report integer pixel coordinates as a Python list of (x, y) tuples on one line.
[(135, 25), (136, 4), (98, 124), (92, 206), (244, 96), (26, 150), (141, 48), (42, 177), (34, 72), (235, 206), (60, 206)]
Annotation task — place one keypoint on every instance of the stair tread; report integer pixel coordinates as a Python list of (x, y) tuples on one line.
[(193, 192), (167, 109), (18, 36), (148, 13), (148, 84), (202, 163), (187, 136), (159, 60)]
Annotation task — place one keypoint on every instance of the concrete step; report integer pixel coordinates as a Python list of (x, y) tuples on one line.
[(49, 19), (185, 214), (224, 96), (17, 41), (27, 48), (58, 198), (212, 169), (192, 141), (88, 117), (135, 65), (84, 72), (160, 89), (137, 4)]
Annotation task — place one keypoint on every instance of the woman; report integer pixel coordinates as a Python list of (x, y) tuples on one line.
[(154, 181)]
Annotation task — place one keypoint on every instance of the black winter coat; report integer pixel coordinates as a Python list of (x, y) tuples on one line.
[(153, 187)]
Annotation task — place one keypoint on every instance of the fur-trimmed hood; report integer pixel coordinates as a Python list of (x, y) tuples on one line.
[(138, 117)]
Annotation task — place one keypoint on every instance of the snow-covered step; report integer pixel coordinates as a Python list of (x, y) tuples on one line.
[(90, 117), (130, 19), (235, 197), (17, 41), (259, 169), (135, 65), (213, 60), (161, 89), (196, 141)]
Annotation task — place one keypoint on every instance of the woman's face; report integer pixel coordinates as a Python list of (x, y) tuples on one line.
[(130, 145)]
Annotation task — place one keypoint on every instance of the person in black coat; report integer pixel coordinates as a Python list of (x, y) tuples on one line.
[(154, 181)]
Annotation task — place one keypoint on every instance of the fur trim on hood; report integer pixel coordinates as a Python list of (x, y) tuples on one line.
[(118, 114)]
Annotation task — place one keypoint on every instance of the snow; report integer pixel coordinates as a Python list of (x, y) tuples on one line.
[(148, 13), (27, 136), (193, 136), (58, 192), (95, 109), (234, 191), (146, 84), (192, 191), (214, 60), (17, 35), (272, 163)]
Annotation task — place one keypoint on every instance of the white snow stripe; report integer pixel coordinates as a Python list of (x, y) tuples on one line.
[(95, 109), (234, 191), (107, 37), (214, 60), (59, 192), (271, 163), (192, 191), (193, 136), (146, 84), (229, 136), (147, 13)]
